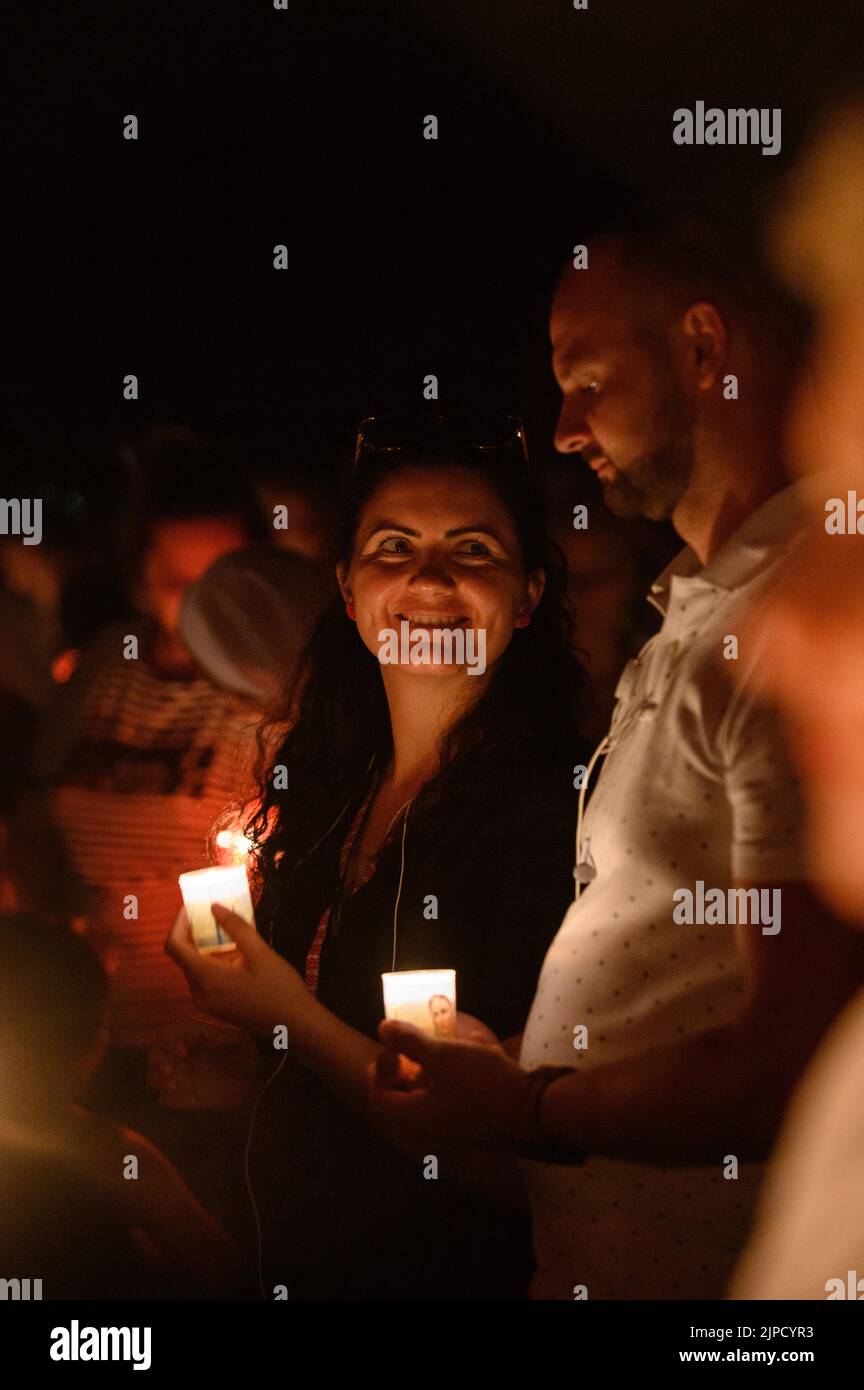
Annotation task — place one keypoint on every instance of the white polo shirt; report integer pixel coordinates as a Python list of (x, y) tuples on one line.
[(697, 785)]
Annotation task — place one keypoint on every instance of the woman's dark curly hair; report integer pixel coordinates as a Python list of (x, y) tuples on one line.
[(526, 720)]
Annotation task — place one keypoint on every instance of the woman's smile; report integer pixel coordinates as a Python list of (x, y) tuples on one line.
[(432, 620)]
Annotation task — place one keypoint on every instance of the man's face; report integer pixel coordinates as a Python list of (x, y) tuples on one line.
[(179, 553), (624, 408)]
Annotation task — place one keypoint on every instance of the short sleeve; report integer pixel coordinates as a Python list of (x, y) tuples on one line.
[(764, 793)]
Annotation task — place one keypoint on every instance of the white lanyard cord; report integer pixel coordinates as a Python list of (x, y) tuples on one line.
[(602, 748)]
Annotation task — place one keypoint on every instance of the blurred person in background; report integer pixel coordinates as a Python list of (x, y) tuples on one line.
[(610, 564), (36, 636), (32, 583), (54, 595), (136, 759), (69, 1215), (296, 500), (809, 1236), (248, 618)]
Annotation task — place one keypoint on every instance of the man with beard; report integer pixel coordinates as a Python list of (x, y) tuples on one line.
[(657, 1057)]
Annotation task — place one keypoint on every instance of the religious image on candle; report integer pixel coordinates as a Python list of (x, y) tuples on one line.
[(426, 998), (201, 888)]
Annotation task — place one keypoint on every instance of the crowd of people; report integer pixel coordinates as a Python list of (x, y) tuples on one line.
[(603, 1125)]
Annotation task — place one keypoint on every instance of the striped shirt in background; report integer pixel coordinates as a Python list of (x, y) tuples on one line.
[(137, 768)]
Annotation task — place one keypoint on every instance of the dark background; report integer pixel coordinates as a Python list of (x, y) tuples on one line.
[(406, 256)]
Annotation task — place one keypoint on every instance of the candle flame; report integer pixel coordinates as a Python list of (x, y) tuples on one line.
[(235, 846)]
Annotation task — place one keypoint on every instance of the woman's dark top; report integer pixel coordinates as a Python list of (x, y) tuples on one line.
[(344, 1215)]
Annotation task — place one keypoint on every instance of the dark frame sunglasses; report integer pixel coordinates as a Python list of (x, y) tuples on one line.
[(461, 435)]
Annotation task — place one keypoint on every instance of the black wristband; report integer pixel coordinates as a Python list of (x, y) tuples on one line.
[(539, 1149)]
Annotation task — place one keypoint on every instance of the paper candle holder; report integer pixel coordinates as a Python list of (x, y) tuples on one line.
[(201, 888), (426, 998)]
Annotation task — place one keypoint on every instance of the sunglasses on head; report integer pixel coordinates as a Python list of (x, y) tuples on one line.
[(468, 437)]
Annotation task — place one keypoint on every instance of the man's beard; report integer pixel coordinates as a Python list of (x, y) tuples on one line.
[(655, 482)]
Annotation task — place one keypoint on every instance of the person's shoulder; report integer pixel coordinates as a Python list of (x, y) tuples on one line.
[(109, 1143), (108, 653)]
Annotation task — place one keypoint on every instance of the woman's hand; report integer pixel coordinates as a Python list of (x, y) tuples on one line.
[(465, 1095), (202, 1066), (252, 986)]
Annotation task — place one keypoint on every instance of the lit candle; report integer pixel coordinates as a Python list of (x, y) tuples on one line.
[(426, 998), (201, 889), (232, 847)]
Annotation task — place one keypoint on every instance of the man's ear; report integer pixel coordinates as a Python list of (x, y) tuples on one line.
[(706, 342)]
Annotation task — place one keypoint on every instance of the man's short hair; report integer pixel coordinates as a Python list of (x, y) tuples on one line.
[(690, 250)]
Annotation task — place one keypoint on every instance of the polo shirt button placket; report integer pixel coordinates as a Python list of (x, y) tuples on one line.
[(674, 656)]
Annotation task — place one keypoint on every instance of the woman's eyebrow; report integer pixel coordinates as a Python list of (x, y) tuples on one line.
[(478, 526), (385, 525)]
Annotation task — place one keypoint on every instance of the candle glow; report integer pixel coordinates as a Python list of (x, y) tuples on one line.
[(426, 998), (232, 847), (201, 888)]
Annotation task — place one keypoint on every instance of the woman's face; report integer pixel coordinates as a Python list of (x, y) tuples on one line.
[(438, 549)]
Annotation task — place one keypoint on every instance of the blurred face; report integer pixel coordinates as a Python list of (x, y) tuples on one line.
[(813, 621), (826, 424), (443, 1018), (623, 407), (438, 549), (817, 665), (45, 1071), (601, 578), (309, 530), (32, 571), (179, 553), (814, 669)]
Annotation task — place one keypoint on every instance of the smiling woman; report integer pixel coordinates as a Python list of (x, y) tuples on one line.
[(424, 818), (440, 591)]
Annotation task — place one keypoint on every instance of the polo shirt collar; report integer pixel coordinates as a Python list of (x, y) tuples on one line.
[(748, 550)]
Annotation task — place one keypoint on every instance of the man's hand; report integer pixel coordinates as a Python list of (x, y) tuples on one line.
[(465, 1095)]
